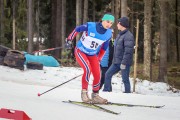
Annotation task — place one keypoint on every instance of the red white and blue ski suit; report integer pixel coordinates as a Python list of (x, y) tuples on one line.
[(90, 50)]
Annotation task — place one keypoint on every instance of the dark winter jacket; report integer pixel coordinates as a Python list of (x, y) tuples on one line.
[(124, 48)]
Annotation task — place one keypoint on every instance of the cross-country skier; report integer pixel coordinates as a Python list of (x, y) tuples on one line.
[(95, 35)]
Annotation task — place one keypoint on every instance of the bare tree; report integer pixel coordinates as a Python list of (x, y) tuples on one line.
[(37, 25), (123, 8), (136, 55), (117, 15), (163, 40), (58, 27), (94, 10), (30, 25), (14, 25), (53, 23), (131, 16), (147, 38), (177, 31), (78, 15), (63, 26), (112, 6), (1, 20), (85, 13)]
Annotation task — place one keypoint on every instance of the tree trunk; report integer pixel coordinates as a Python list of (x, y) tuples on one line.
[(78, 16), (58, 28), (94, 10), (147, 38), (131, 17), (136, 55), (112, 7), (30, 25), (177, 31), (14, 25), (85, 13), (37, 25), (53, 24), (1, 21), (163, 41), (124, 8), (113, 12), (171, 45), (63, 27), (117, 8)]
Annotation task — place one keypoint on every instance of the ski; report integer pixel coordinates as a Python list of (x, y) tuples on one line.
[(90, 105), (127, 105), (133, 105)]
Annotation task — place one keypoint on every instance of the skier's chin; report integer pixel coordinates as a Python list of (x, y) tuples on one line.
[(106, 27)]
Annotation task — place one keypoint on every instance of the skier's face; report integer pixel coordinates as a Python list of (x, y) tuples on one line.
[(107, 24)]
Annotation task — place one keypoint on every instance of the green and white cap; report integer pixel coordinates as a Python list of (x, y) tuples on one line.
[(108, 17)]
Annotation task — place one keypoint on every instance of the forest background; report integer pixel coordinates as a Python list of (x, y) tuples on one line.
[(30, 25)]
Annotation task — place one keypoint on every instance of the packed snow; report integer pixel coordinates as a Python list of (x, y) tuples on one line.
[(19, 91)]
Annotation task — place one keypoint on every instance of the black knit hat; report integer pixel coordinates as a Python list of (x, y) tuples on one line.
[(124, 21)]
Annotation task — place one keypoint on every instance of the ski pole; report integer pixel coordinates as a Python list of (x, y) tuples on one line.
[(39, 94), (50, 49)]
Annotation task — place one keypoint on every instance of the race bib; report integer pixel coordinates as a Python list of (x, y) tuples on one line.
[(90, 42)]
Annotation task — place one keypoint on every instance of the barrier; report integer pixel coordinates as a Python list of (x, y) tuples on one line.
[(14, 114)]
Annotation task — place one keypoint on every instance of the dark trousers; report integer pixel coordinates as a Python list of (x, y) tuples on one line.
[(113, 69), (103, 71)]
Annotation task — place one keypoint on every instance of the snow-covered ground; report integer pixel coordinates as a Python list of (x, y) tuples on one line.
[(19, 89)]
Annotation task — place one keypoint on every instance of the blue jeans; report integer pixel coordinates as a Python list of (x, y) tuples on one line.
[(103, 71), (113, 69)]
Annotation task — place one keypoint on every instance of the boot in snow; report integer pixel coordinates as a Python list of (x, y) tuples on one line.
[(85, 97), (97, 99)]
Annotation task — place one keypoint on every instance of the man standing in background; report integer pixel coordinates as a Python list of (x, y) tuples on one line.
[(123, 56)]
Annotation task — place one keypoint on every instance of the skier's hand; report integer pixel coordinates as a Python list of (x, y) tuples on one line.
[(68, 44), (122, 67)]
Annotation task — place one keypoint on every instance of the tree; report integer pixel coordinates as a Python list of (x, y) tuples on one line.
[(63, 26), (94, 10), (123, 8), (171, 44), (85, 13), (58, 27), (147, 38), (38, 25), (1, 20), (14, 25), (177, 30), (30, 25), (163, 40), (53, 22), (78, 15), (117, 15), (113, 7)]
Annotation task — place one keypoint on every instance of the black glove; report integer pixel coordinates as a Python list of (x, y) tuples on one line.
[(68, 44)]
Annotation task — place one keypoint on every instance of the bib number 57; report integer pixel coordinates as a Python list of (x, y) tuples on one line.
[(94, 44)]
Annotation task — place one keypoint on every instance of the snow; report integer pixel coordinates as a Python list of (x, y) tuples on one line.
[(19, 89)]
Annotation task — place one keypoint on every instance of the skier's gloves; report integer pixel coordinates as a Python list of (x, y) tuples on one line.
[(68, 44)]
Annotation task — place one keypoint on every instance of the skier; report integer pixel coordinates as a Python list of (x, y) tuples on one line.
[(95, 35)]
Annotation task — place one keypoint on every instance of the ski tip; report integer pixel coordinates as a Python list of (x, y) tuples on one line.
[(159, 106), (67, 101), (119, 113)]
